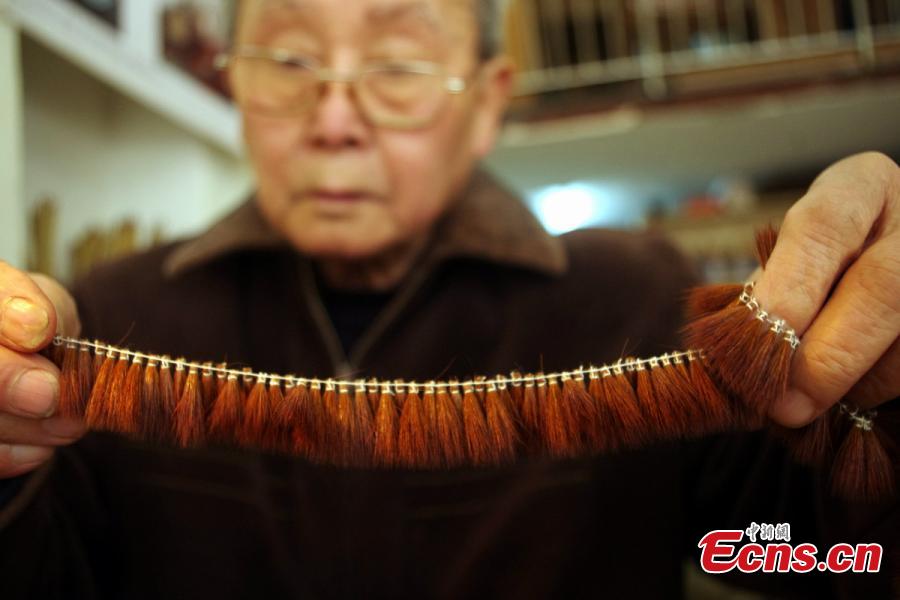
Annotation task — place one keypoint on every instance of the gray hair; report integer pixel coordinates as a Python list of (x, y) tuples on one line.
[(490, 27)]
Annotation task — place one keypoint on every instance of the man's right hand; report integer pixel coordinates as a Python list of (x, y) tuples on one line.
[(33, 308)]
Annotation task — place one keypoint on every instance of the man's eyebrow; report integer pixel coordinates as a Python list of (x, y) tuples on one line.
[(420, 11), (290, 5)]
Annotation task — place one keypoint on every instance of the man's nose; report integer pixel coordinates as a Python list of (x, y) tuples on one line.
[(337, 122)]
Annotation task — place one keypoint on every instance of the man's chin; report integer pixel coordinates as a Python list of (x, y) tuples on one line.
[(333, 245)]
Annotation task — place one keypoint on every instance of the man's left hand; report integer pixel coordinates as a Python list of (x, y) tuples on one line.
[(834, 276)]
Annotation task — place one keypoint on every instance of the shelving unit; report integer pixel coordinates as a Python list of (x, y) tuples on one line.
[(102, 124), (129, 61), (12, 223), (667, 152)]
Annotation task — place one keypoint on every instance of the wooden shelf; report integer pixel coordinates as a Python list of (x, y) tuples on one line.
[(119, 61), (758, 137)]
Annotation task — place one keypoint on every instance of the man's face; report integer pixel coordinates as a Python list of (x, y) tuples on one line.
[(331, 182)]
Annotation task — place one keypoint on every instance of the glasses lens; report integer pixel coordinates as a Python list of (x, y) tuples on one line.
[(274, 87), (401, 95)]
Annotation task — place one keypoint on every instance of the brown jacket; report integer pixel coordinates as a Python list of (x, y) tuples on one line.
[(112, 518)]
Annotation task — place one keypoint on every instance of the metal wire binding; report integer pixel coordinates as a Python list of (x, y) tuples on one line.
[(863, 419), (777, 326), (498, 381)]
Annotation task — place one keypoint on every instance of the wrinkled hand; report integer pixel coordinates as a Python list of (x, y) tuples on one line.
[(33, 308), (835, 277)]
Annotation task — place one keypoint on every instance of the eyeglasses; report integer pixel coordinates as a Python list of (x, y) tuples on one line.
[(400, 94)]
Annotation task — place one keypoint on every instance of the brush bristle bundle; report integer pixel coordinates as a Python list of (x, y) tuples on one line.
[(70, 396), (190, 428), (863, 469), (532, 420), (745, 359), (226, 416), (706, 300), (413, 432), (386, 426), (631, 426), (451, 442), (254, 430), (156, 413), (97, 414), (299, 421), (208, 388), (363, 428), (501, 424), (478, 441), (766, 239)]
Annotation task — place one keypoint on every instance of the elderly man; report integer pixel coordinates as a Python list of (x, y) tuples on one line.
[(375, 247)]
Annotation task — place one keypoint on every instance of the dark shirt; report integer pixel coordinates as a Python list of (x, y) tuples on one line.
[(351, 312), (9, 488)]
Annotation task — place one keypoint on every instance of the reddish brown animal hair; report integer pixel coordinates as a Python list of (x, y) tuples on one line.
[(737, 367)]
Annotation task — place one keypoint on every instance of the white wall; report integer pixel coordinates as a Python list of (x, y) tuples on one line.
[(103, 158), (12, 241)]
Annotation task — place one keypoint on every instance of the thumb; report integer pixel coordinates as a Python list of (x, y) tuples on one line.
[(67, 321), (33, 308)]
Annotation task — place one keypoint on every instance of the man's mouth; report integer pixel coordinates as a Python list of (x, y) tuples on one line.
[(337, 195)]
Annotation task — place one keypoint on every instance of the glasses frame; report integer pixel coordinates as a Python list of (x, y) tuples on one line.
[(452, 84)]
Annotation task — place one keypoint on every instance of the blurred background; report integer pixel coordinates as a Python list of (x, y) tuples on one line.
[(702, 118)]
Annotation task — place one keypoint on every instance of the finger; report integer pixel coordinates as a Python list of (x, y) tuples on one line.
[(27, 315), (55, 431), (29, 384), (821, 234), (851, 333), (17, 460), (882, 383), (67, 321)]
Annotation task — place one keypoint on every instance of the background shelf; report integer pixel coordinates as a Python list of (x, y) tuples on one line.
[(130, 61)]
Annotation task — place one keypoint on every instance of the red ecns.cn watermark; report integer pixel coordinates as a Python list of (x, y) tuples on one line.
[(722, 551)]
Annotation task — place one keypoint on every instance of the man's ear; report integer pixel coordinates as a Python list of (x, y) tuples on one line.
[(495, 88)]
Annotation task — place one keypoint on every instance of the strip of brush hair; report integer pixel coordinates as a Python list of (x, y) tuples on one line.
[(449, 427), (254, 431), (387, 421), (633, 429), (587, 413), (863, 469), (190, 414), (414, 444), (478, 444), (744, 357), (501, 424), (227, 413), (72, 400), (156, 413), (100, 413)]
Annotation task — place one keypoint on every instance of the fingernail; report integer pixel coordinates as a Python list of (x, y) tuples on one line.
[(794, 409), (70, 429), (29, 455), (34, 393), (23, 322)]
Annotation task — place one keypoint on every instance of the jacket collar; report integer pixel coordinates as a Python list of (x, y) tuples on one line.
[(487, 222)]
